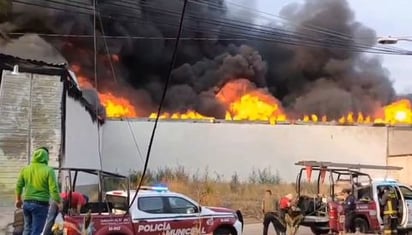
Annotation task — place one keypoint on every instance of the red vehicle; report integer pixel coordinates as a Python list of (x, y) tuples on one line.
[(324, 213), (156, 210)]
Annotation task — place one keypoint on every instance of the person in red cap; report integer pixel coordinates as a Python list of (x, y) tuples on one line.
[(285, 204), (78, 200)]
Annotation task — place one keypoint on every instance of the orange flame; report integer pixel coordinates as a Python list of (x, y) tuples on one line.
[(244, 101), (116, 107), (398, 112), (190, 114)]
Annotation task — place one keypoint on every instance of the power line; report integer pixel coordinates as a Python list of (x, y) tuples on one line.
[(291, 38), (109, 57), (97, 106), (291, 42), (163, 98), (329, 40), (188, 14)]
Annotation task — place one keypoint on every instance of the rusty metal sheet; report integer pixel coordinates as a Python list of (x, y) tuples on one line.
[(30, 116)]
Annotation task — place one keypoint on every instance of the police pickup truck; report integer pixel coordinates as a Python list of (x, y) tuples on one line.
[(157, 210)]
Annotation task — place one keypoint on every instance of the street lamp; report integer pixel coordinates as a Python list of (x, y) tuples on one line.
[(391, 40)]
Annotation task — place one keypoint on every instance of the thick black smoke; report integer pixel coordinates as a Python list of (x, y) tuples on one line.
[(322, 80)]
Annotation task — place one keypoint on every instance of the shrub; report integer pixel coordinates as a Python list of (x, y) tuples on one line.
[(215, 191), (264, 176)]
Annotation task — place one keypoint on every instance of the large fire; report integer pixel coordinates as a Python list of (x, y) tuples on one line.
[(243, 101), (116, 106)]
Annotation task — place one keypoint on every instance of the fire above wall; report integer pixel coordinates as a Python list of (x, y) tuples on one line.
[(250, 80), (244, 102)]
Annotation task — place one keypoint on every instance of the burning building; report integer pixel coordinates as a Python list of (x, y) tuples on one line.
[(291, 77)]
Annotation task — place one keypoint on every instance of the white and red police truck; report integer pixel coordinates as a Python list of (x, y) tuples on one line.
[(158, 210)]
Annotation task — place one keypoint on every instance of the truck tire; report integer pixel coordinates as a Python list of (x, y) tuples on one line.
[(319, 231), (362, 224), (224, 231)]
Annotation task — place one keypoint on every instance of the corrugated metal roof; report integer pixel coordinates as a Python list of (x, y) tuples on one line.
[(7, 62), (7, 57), (33, 47)]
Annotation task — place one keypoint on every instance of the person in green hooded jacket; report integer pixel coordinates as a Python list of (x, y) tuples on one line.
[(40, 185)]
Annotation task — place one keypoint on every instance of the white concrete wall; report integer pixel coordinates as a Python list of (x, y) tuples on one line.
[(228, 147), (81, 143), (400, 152), (400, 141), (403, 175)]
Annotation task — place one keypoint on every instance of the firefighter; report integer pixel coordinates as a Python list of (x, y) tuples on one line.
[(349, 208), (389, 202)]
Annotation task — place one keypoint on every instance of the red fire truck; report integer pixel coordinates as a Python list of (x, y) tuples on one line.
[(324, 213)]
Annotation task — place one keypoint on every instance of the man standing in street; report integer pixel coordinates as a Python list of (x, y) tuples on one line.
[(349, 209), (270, 216), (40, 184)]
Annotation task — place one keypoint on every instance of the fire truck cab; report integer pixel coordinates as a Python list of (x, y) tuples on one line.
[(324, 213), (369, 211)]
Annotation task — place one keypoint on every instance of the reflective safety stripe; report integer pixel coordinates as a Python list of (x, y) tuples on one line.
[(390, 232), (390, 210)]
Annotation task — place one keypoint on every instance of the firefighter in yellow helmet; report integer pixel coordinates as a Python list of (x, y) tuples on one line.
[(389, 203)]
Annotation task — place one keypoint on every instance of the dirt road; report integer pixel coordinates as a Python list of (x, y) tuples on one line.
[(256, 229), (250, 229), (6, 216)]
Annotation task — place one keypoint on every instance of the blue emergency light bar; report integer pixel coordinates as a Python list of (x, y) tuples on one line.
[(156, 187), (160, 187)]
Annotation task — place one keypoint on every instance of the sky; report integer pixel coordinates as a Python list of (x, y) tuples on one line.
[(387, 18)]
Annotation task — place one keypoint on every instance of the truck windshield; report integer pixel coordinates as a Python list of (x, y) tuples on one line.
[(118, 202), (406, 192)]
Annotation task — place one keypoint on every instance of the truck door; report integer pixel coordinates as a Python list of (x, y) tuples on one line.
[(164, 214), (406, 193), (402, 207), (187, 214)]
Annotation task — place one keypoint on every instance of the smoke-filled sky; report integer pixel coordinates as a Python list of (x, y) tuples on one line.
[(324, 80), (387, 18)]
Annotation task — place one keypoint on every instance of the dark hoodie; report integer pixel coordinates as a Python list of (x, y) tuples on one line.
[(38, 179)]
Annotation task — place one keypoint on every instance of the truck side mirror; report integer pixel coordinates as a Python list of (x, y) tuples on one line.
[(195, 209), (190, 210)]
